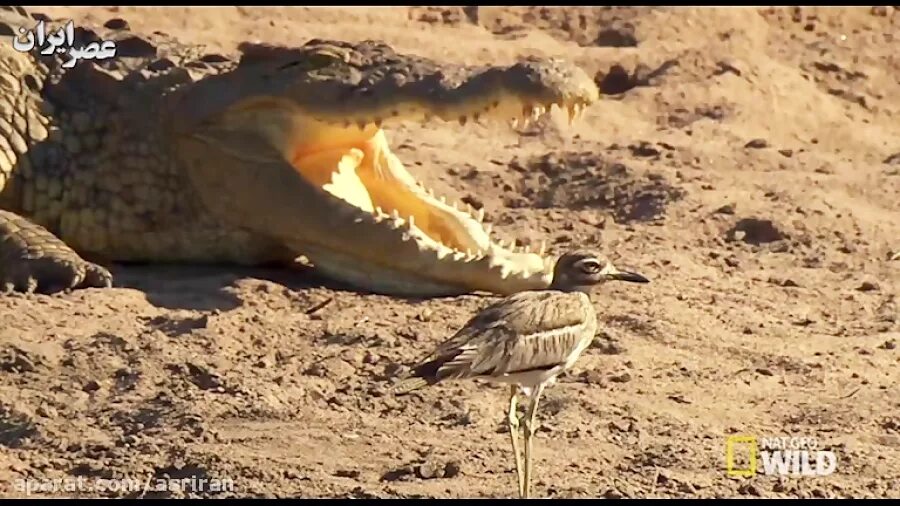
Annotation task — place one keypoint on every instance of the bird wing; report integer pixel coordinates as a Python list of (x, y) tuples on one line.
[(526, 331)]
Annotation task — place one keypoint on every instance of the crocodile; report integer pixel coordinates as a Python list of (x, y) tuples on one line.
[(278, 156)]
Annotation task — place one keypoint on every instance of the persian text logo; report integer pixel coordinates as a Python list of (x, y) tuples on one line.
[(62, 41), (780, 456)]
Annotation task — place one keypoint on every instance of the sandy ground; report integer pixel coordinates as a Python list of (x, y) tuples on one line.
[(746, 160)]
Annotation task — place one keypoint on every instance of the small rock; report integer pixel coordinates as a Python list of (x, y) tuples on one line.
[(686, 488), (425, 315), (451, 469), (592, 378), (679, 399), (868, 286), (785, 282), (620, 378), (473, 201), (755, 231), (333, 367), (724, 66), (46, 410), (16, 360), (621, 426), (749, 489), (757, 144), (91, 386), (765, 372), (787, 153), (643, 149), (434, 470), (662, 478), (726, 209), (117, 24), (397, 474), (613, 494), (890, 344)]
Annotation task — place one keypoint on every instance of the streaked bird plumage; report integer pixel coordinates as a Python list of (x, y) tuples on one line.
[(526, 340), (528, 335)]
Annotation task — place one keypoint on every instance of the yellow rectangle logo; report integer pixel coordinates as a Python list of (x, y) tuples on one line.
[(748, 467)]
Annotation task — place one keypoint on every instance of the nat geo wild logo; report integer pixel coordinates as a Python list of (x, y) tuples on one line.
[(779, 456), (61, 41)]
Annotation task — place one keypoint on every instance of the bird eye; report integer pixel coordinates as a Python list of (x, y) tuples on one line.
[(590, 266)]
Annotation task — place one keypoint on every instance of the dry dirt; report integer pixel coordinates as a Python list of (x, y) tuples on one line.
[(746, 160)]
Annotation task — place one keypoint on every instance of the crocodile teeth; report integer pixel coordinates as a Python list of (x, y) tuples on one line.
[(479, 214), (463, 120), (575, 110), (543, 248), (411, 222), (514, 122)]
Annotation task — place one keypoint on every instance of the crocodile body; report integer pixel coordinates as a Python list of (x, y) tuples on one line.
[(277, 156)]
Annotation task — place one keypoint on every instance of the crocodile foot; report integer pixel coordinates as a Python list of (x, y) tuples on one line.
[(33, 259)]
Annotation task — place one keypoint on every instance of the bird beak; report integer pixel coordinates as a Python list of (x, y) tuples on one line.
[(611, 272)]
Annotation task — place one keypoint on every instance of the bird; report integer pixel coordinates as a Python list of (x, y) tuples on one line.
[(525, 340)]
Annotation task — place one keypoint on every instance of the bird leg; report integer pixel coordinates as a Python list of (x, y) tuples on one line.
[(513, 420), (531, 426)]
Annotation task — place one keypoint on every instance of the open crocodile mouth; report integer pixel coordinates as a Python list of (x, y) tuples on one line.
[(322, 107), (357, 166)]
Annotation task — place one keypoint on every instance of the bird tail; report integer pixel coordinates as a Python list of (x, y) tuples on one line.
[(421, 376), (408, 385)]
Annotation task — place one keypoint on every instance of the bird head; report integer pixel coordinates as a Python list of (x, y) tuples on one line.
[(579, 270)]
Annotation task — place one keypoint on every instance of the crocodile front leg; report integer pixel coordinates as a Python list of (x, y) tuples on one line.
[(33, 259)]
